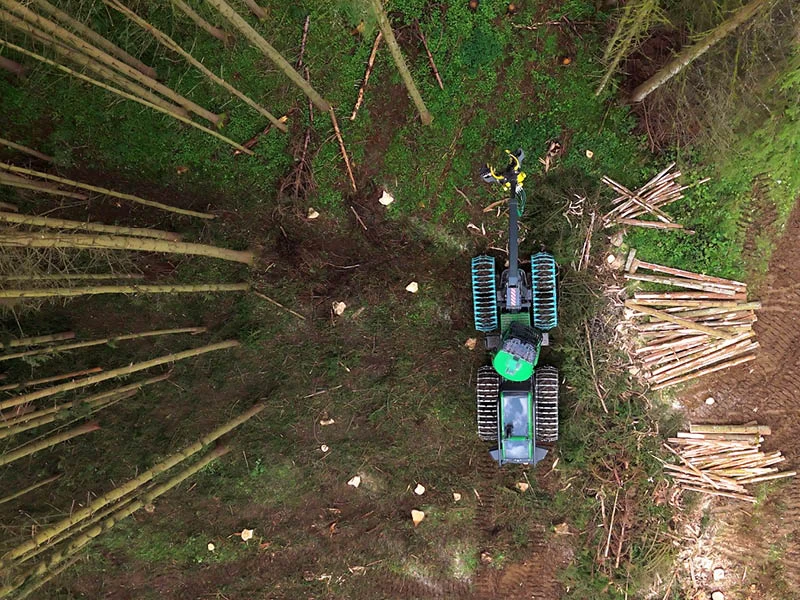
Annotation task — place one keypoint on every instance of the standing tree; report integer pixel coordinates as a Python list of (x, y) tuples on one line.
[(685, 57), (399, 61)]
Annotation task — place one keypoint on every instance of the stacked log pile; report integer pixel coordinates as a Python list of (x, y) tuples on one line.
[(720, 460), (701, 326), (648, 200)]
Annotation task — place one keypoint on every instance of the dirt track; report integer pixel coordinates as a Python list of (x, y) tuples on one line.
[(768, 391)]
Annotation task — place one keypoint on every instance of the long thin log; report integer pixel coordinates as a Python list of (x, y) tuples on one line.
[(47, 578), (51, 223), (95, 38), (714, 369), (72, 277), (46, 239), (684, 283), (37, 186), (38, 340), (105, 191), (30, 488), (81, 59), (640, 264), (719, 493), (91, 401), (71, 39), (141, 101), (708, 428), (9, 206), (259, 42), (671, 371), (84, 539), (370, 66), (688, 54), (191, 288), (763, 478), (651, 224), (175, 47), (400, 62), (217, 32), (101, 341), (46, 533), (32, 382), (658, 314), (6, 432), (29, 449), (134, 368), (26, 150), (343, 150)]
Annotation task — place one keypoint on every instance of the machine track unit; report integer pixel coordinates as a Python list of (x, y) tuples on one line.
[(517, 398)]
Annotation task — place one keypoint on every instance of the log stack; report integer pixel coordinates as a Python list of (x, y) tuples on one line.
[(720, 460), (701, 325), (647, 201)]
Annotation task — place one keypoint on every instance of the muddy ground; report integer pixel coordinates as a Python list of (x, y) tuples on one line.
[(761, 543)]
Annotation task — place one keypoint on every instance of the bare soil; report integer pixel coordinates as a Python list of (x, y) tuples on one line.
[(764, 539)]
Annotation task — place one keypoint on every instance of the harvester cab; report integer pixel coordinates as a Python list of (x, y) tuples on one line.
[(517, 398)]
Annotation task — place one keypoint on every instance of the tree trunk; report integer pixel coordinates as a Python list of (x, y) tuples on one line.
[(71, 39), (38, 340), (12, 67), (83, 540), (72, 277), (49, 576), (192, 288), (26, 150), (29, 449), (173, 45), (133, 368), (91, 401), (128, 96), (51, 223), (218, 33), (101, 341), (30, 488), (47, 533), (46, 239), (38, 186), (95, 38), (33, 382), (259, 42), (690, 53), (7, 432), (400, 62), (105, 191)]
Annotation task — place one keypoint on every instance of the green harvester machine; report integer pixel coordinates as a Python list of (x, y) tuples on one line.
[(517, 397)]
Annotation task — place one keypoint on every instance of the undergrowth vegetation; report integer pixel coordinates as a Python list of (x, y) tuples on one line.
[(392, 371)]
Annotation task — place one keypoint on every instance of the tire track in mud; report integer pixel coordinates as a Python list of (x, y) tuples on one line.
[(484, 524), (770, 393)]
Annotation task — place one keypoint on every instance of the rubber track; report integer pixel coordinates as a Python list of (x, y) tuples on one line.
[(488, 392), (546, 390)]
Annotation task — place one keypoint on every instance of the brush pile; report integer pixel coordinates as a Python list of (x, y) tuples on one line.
[(648, 200), (703, 325), (719, 460)]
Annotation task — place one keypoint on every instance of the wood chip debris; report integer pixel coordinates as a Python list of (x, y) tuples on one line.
[(701, 325), (339, 308), (456, 496), (719, 460), (386, 198), (312, 213), (412, 287), (419, 490), (647, 201), (246, 534), (355, 481), (417, 516)]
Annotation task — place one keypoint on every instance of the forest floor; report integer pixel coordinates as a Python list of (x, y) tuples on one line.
[(392, 372)]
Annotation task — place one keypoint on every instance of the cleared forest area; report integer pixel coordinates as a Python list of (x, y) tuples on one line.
[(238, 352)]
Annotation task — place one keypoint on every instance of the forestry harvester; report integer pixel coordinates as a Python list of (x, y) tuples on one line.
[(517, 397)]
